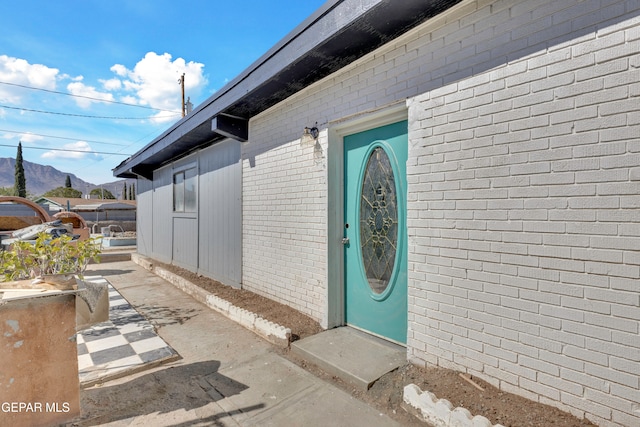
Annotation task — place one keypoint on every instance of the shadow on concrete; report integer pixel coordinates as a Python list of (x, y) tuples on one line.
[(180, 388), (164, 316)]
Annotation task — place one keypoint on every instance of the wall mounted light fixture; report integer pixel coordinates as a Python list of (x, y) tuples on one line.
[(313, 132)]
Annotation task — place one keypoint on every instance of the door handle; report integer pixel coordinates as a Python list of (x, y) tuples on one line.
[(345, 240)]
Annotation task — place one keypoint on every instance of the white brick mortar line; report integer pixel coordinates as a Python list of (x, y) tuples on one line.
[(440, 412), (272, 332)]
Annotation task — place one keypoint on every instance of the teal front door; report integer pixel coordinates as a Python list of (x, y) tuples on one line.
[(375, 231)]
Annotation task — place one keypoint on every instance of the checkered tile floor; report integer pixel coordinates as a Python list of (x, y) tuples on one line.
[(124, 344)]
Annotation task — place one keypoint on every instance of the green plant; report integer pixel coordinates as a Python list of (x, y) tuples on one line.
[(12, 266), (63, 192), (47, 255)]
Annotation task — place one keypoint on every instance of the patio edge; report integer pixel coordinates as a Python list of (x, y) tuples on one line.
[(272, 332)]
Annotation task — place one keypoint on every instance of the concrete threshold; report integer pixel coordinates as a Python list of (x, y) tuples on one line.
[(354, 356)]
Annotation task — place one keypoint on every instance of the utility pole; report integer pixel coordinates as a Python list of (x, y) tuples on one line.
[(181, 81)]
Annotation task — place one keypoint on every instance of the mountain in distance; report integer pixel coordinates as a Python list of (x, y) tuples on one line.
[(42, 178)]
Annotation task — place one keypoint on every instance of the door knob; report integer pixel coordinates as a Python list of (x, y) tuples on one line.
[(345, 240)]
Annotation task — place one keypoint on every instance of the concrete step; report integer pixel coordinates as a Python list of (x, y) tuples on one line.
[(116, 254), (115, 257), (354, 356)]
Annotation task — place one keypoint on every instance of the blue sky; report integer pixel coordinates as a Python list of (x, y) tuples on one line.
[(111, 53)]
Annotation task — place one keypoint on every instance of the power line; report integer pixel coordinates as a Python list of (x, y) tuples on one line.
[(62, 137), (87, 116), (64, 149), (86, 97)]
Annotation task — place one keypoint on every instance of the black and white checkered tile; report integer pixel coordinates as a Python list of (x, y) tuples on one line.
[(123, 344)]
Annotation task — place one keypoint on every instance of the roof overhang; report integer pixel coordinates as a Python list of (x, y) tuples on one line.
[(337, 34)]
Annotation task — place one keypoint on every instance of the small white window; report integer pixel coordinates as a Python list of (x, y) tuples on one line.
[(184, 190)]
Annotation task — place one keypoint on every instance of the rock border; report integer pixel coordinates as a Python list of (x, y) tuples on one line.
[(440, 412), (270, 331)]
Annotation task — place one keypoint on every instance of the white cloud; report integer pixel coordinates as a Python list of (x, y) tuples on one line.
[(19, 71), (29, 137), (154, 81), (129, 99), (120, 70), (81, 90), (76, 151), (111, 84)]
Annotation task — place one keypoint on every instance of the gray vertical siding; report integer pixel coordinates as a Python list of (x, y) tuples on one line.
[(185, 242), (208, 241), (220, 213), (162, 215), (144, 224)]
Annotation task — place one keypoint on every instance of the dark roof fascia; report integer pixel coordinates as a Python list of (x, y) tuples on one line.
[(339, 32)]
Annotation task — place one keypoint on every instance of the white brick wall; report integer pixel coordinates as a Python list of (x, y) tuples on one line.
[(524, 197), (284, 220)]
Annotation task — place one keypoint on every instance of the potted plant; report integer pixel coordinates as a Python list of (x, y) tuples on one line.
[(48, 259)]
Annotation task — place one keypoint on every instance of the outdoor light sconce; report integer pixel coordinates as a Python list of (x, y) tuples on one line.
[(310, 136), (312, 132)]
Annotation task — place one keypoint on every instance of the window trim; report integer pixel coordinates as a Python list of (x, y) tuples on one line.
[(187, 208)]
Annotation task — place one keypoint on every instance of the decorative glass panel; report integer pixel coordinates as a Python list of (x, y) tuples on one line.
[(378, 220)]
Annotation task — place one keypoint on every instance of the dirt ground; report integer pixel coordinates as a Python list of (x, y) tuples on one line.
[(386, 394)]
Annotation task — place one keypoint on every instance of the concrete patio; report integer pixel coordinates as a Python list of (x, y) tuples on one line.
[(226, 375)]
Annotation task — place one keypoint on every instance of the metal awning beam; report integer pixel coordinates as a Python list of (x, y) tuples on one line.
[(143, 171), (231, 127)]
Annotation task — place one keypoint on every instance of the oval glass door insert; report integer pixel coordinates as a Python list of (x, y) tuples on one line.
[(378, 220)]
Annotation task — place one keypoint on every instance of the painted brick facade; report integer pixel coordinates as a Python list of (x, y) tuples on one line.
[(524, 198), (524, 189), (285, 221)]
